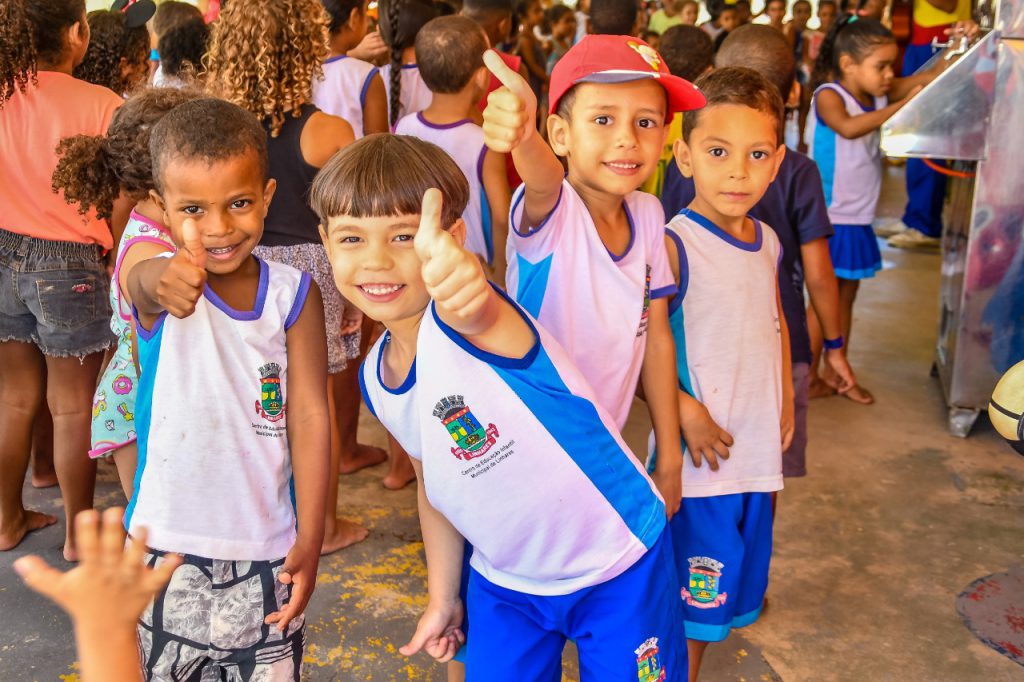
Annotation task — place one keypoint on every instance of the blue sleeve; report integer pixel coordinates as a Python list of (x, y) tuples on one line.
[(677, 192), (808, 212)]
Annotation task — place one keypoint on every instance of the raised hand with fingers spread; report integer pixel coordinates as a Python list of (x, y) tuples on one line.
[(104, 594)]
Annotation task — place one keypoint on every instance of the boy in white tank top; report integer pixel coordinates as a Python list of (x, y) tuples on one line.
[(239, 492), (586, 250), (449, 52), (733, 358), (511, 450)]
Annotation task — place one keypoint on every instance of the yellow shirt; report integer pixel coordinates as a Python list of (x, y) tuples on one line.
[(654, 183), (926, 15)]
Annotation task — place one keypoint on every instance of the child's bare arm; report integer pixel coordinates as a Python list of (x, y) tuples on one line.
[(658, 376), (464, 299), (499, 197), (138, 252), (375, 111), (833, 112), (309, 443), (104, 594), (510, 125), (438, 631), (787, 418), (823, 289), (173, 284)]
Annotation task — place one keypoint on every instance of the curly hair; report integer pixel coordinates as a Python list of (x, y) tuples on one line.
[(111, 41), (182, 48), (32, 31), (94, 170), (264, 55), (400, 21)]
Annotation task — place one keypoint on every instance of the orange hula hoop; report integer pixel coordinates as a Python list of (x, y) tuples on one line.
[(947, 171)]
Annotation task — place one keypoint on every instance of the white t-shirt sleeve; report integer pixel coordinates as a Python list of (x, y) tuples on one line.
[(537, 242), (651, 222)]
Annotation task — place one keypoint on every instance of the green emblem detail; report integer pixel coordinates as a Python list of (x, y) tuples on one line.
[(271, 406), (471, 438)]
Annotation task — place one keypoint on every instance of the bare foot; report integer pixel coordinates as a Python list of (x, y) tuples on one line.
[(861, 395), (819, 388), (70, 553), (400, 476), (30, 521), (44, 479), (343, 534), (366, 456)]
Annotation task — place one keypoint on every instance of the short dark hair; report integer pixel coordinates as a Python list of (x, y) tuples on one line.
[(208, 129), (488, 11), (763, 49), (449, 50), (737, 85), (387, 175), (170, 13), (688, 51), (769, 2), (613, 17)]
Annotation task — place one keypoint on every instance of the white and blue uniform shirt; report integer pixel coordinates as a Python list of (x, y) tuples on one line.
[(725, 320), (520, 459), (596, 304), (851, 170), (335, 93), (214, 474), (414, 95), (464, 142)]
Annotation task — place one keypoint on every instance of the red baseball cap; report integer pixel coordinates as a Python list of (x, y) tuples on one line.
[(619, 59)]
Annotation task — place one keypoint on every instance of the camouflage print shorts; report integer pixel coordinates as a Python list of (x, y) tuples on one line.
[(207, 624)]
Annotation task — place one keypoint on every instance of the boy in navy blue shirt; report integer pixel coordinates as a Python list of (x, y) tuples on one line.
[(794, 206)]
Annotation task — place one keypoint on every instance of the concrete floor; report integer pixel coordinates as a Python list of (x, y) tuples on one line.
[(894, 520)]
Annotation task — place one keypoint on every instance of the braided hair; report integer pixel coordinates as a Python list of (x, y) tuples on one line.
[(32, 31), (400, 21), (851, 35)]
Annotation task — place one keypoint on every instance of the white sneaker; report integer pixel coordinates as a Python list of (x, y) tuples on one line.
[(913, 239), (890, 228)]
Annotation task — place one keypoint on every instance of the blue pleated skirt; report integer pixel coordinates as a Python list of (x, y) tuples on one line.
[(855, 253)]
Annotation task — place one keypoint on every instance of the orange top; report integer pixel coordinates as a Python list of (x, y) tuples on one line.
[(32, 123)]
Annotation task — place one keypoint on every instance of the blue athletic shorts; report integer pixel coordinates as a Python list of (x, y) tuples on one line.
[(629, 628), (723, 547)]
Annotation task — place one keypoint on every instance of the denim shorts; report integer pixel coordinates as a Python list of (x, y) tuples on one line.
[(54, 294)]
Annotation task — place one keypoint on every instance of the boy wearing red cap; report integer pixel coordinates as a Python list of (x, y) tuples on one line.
[(586, 250)]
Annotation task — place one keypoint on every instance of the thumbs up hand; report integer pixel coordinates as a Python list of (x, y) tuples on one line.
[(511, 114), (182, 281), (453, 276)]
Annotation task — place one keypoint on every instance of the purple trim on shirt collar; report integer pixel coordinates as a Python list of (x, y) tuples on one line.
[(135, 215), (537, 228), (147, 334), (480, 165), (366, 86), (493, 358), (261, 298), (632, 235), (300, 301), (410, 379), (854, 97), (684, 272), (336, 58), (440, 126), (722, 234), (410, 66)]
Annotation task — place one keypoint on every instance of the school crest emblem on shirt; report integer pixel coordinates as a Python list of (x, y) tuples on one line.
[(471, 438), (702, 591), (648, 662), (270, 406), (648, 53)]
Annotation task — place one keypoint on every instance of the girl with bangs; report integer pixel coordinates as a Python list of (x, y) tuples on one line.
[(264, 56)]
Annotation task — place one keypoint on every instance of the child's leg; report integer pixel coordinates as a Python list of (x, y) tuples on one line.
[(847, 296), (43, 473), (400, 473), (695, 651), (126, 458), (69, 394), (633, 624), (21, 394), (514, 641), (338, 532), (456, 672)]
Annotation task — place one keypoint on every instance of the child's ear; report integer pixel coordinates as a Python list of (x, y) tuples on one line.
[(483, 79), (681, 153), (155, 197), (458, 232), (559, 135), (780, 155), (268, 194), (354, 17), (845, 62)]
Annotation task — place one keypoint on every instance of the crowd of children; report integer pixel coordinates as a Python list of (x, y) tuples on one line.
[(548, 216)]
